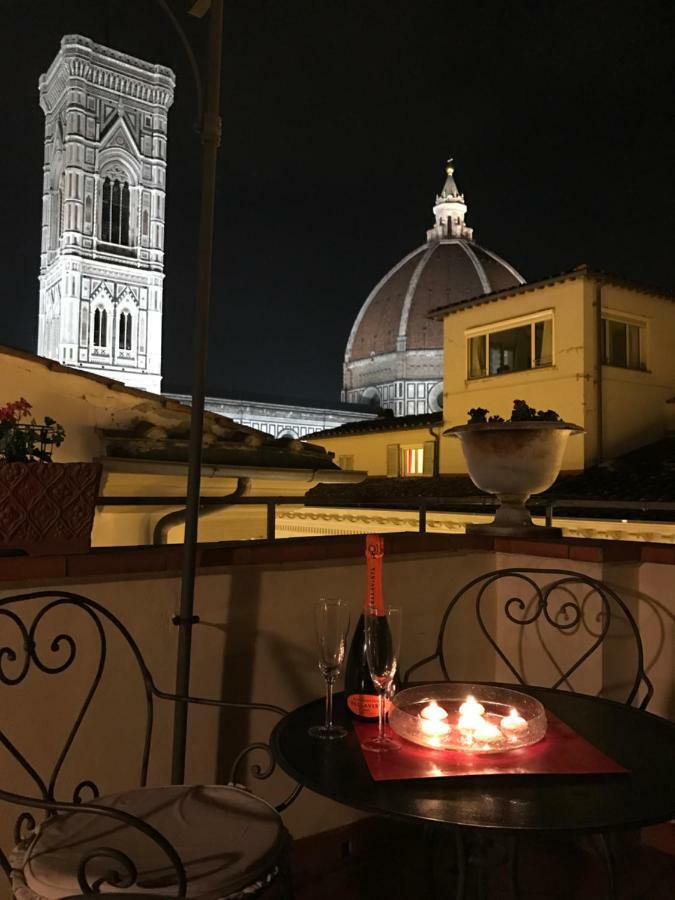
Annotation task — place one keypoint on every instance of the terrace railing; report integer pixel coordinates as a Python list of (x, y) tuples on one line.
[(545, 507)]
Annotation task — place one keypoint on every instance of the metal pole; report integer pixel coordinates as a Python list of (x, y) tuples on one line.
[(599, 395), (549, 514), (210, 129), (271, 521)]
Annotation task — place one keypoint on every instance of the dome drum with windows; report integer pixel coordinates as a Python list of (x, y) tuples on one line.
[(394, 356)]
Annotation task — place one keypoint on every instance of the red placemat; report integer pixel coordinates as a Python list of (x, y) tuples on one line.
[(561, 752)]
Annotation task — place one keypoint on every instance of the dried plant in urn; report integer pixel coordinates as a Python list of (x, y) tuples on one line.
[(514, 458)]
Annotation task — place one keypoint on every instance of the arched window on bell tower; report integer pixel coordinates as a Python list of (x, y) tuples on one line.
[(124, 331), (100, 330), (115, 211)]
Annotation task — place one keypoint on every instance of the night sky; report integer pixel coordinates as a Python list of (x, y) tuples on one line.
[(338, 116)]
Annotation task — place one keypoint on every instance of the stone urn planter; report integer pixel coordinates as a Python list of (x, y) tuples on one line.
[(47, 508), (514, 460)]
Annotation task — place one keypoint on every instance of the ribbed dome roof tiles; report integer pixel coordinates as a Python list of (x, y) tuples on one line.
[(439, 273), (376, 327)]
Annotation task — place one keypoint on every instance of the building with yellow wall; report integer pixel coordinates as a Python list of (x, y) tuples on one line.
[(141, 440), (594, 348)]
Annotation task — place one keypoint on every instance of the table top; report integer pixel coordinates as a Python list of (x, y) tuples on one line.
[(641, 742)]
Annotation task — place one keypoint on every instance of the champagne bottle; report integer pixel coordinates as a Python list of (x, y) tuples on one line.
[(360, 692)]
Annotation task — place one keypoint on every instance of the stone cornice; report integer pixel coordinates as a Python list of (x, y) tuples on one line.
[(139, 81), (102, 270)]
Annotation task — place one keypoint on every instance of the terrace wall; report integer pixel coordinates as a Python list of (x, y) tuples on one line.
[(255, 641)]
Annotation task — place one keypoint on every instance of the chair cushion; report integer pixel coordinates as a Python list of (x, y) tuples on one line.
[(226, 838)]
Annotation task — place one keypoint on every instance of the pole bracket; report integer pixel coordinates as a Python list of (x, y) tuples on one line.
[(185, 620)]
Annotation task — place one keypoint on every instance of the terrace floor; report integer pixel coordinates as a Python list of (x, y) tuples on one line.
[(386, 861)]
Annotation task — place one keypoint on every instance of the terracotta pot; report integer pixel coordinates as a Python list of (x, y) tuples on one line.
[(47, 508), (514, 460)]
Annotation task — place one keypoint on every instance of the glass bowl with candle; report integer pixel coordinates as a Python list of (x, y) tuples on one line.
[(475, 718)]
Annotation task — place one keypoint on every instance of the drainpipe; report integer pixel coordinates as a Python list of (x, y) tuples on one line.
[(599, 423), (179, 516), (436, 435)]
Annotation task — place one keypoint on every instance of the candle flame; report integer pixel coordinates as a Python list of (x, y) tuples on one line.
[(433, 711), (471, 707)]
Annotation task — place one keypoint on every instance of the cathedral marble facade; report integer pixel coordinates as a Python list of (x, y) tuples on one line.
[(281, 420)]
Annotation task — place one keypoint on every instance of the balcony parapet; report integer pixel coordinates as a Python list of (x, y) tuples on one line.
[(166, 560)]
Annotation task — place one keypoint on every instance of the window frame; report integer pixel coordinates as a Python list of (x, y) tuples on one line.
[(484, 331), (403, 450), (99, 329), (115, 210), (124, 331), (619, 318)]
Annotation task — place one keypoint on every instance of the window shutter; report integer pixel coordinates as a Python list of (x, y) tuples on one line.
[(428, 459), (393, 460)]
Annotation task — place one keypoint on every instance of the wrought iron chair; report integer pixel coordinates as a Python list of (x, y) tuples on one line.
[(197, 841), (572, 606), (553, 598)]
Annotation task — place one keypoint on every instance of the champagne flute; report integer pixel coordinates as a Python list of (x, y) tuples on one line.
[(383, 640), (331, 623)]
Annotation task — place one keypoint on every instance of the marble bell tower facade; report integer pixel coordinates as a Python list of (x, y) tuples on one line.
[(103, 203)]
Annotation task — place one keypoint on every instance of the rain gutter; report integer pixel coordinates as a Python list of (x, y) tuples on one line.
[(179, 516)]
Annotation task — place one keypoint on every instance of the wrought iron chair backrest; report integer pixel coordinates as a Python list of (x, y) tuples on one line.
[(552, 599), (25, 645), (32, 640), (27, 648)]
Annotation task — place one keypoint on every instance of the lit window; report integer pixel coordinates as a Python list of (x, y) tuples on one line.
[(100, 334), (515, 349), (115, 212), (623, 344), (412, 460)]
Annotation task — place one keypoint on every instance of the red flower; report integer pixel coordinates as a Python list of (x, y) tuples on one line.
[(15, 410)]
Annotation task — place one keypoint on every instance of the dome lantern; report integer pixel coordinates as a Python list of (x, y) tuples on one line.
[(450, 210)]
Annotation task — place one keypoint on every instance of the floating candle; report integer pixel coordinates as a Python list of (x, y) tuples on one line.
[(513, 724), (469, 723), (471, 707), (487, 733), (434, 711), (434, 727)]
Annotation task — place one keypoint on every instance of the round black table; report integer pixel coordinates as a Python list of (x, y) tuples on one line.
[(643, 743)]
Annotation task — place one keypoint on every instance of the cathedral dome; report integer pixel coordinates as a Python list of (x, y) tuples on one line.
[(394, 317), (393, 342)]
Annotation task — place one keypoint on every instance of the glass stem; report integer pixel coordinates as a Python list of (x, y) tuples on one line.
[(329, 703), (380, 699)]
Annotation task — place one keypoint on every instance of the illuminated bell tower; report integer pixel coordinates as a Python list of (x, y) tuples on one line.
[(103, 202)]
